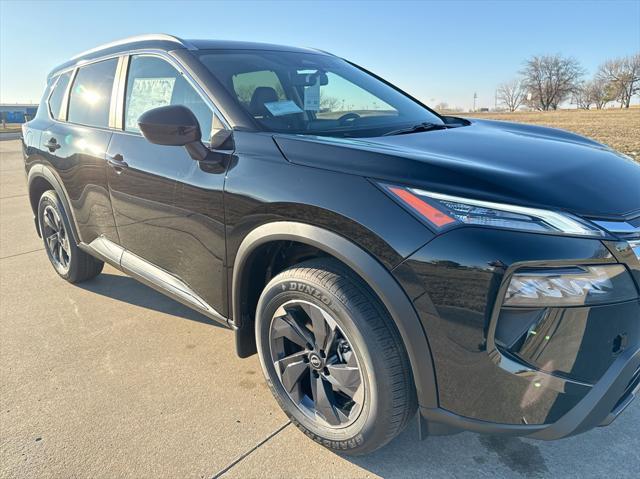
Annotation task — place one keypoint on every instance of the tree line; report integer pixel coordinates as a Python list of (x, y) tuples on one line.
[(547, 81)]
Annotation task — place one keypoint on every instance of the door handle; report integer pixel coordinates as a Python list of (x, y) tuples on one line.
[(117, 162), (53, 144)]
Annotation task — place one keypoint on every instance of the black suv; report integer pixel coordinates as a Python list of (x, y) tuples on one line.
[(379, 257)]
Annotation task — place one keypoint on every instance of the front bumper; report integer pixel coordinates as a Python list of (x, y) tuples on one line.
[(581, 378), (604, 402)]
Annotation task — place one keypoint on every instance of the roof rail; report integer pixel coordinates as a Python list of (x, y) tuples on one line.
[(137, 38)]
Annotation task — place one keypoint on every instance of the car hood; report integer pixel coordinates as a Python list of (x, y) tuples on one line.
[(489, 160)]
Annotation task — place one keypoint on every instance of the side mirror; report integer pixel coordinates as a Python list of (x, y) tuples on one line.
[(176, 125), (171, 125)]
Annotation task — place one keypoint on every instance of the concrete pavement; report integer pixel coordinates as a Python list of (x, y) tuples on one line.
[(111, 379)]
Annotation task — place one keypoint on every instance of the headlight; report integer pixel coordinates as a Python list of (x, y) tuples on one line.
[(442, 211), (574, 286)]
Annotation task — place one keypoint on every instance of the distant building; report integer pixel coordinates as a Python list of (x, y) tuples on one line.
[(17, 113)]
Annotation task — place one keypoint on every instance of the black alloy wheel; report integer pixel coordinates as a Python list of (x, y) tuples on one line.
[(333, 357), (56, 239), (69, 261), (316, 363)]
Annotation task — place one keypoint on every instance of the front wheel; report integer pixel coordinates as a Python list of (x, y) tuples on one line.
[(333, 357)]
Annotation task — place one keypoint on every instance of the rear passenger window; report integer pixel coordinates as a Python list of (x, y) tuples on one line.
[(152, 83), (90, 96), (55, 100)]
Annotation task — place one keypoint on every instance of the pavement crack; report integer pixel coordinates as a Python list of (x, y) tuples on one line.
[(247, 453), (20, 254), (13, 196)]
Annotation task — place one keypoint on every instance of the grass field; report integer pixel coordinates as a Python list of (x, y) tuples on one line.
[(11, 128), (617, 128)]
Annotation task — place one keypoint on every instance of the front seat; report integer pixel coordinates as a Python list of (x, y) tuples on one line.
[(262, 95)]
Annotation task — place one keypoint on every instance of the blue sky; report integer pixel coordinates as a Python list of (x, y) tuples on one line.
[(436, 50)]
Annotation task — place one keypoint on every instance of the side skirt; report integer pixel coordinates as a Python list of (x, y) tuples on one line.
[(151, 275)]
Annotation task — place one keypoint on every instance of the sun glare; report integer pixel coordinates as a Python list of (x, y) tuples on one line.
[(91, 97)]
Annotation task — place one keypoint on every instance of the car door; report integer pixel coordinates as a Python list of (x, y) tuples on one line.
[(77, 141), (145, 181)]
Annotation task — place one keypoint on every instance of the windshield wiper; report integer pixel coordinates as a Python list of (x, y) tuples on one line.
[(424, 126)]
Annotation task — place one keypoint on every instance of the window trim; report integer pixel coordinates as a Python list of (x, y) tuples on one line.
[(50, 94), (65, 96), (65, 101), (121, 81), (115, 92), (64, 108)]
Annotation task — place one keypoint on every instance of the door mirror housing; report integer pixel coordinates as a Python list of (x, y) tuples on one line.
[(176, 125), (171, 125)]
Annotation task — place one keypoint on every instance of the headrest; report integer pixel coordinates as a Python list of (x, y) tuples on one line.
[(262, 95)]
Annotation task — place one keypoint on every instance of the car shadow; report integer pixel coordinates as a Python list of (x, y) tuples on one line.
[(460, 455), (593, 454), (129, 290)]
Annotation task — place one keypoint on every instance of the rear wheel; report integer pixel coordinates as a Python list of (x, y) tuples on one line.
[(333, 357), (69, 261)]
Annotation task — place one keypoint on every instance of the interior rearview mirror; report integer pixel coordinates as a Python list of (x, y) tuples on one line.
[(309, 79)]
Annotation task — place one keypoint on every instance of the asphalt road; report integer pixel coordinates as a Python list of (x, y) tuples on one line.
[(111, 379)]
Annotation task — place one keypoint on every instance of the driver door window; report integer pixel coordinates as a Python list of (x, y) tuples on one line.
[(152, 83)]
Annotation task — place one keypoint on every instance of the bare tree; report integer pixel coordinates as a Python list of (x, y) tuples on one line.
[(512, 94), (329, 103), (550, 79), (601, 92), (442, 106), (623, 77), (596, 92), (581, 96)]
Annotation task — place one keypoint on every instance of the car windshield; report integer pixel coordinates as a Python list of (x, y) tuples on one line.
[(313, 94)]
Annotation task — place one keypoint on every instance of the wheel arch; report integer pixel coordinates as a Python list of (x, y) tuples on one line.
[(379, 279), (40, 179)]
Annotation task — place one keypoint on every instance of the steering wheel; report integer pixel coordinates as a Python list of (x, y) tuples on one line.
[(347, 117)]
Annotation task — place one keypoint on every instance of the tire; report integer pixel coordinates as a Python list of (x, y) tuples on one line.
[(69, 261), (364, 413)]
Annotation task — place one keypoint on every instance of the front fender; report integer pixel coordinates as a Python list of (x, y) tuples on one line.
[(369, 269)]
